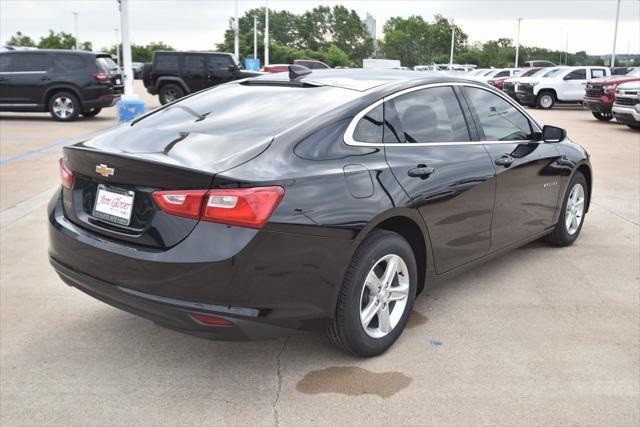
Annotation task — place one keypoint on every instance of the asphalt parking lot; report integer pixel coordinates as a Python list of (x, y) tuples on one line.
[(539, 336)]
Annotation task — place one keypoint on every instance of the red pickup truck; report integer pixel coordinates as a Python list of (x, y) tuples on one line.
[(600, 94)]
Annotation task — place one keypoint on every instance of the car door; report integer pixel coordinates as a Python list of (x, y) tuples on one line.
[(444, 172), (527, 179), (574, 86), (221, 69), (31, 73), (194, 71), (6, 61)]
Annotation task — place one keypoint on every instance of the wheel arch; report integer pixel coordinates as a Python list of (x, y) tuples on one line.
[(409, 224), (60, 88), (585, 169), (166, 80)]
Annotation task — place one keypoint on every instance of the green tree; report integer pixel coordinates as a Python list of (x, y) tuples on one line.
[(19, 39), (334, 56), (59, 40), (141, 53)]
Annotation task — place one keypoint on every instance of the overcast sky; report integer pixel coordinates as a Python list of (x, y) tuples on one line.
[(199, 24)]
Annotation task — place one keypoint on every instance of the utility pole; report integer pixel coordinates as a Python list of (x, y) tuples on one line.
[(566, 49), (255, 37), (615, 36), (453, 40), (266, 34), (126, 49), (117, 47), (75, 19), (236, 33), (518, 42)]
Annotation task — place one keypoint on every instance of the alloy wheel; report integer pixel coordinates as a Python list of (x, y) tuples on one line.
[(575, 209), (384, 296), (63, 107), (546, 101)]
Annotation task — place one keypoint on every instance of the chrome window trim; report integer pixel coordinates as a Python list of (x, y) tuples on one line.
[(348, 135)]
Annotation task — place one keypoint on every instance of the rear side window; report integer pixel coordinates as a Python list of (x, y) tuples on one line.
[(194, 62), (166, 61), (580, 74), (430, 115), (31, 62), (69, 62), (369, 128), (5, 63), (499, 120)]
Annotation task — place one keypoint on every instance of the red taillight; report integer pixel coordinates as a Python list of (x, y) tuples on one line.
[(244, 207), (207, 319), (185, 203), (103, 77), (66, 176)]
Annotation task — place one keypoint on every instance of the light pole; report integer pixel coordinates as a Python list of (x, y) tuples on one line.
[(453, 40), (566, 49), (126, 49), (236, 33), (615, 36), (117, 47), (75, 19), (266, 34), (255, 37), (518, 42)]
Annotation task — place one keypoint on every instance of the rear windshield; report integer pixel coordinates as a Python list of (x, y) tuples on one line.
[(252, 110), (106, 64)]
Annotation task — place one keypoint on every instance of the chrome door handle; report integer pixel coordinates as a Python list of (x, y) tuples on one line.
[(422, 171)]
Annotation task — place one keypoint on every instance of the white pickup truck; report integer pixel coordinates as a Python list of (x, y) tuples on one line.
[(567, 85), (626, 108)]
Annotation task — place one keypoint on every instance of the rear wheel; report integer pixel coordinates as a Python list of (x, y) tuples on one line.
[(603, 117), (64, 107), (572, 214), (546, 100), (169, 93), (377, 295), (92, 113)]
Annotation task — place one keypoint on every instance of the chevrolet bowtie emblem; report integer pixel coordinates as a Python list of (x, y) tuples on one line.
[(105, 170)]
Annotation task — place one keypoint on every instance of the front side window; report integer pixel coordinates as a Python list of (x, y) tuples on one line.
[(499, 120), (429, 115), (5, 63), (580, 74), (31, 62), (597, 73)]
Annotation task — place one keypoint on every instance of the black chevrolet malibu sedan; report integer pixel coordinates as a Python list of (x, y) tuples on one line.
[(309, 200)]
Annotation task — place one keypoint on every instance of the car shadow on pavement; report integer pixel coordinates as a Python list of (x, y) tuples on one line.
[(45, 117)]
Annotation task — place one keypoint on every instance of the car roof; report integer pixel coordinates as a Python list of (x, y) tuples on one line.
[(361, 79), (68, 51)]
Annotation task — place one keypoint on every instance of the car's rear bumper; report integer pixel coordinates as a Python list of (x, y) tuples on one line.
[(597, 105), (104, 101), (264, 282), (626, 114), (173, 313)]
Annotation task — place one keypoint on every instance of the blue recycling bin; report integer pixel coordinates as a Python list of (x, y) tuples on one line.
[(129, 109)]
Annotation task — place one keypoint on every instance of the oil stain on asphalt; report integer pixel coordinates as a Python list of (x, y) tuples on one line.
[(353, 381)]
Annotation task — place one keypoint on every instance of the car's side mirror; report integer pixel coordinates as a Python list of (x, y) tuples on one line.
[(553, 134)]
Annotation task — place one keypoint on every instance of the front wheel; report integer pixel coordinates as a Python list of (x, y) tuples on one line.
[(546, 100), (572, 214), (377, 295), (602, 116)]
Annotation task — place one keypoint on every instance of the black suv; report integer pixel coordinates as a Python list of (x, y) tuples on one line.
[(173, 75), (66, 83)]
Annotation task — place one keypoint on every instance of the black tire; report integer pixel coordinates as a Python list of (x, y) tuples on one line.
[(169, 93), (541, 100), (347, 331), (64, 107), (561, 236), (601, 116), (92, 113), (634, 126)]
